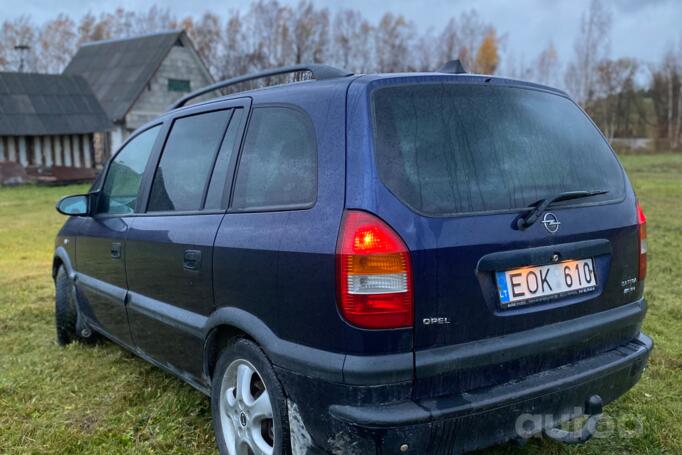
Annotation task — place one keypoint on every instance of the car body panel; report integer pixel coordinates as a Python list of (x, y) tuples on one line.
[(101, 273), (164, 295)]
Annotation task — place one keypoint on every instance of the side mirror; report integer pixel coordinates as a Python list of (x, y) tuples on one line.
[(78, 205)]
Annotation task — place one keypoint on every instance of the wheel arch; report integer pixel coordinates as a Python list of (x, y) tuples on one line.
[(226, 324), (61, 258)]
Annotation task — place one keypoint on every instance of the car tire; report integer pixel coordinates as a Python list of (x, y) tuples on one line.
[(240, 413), (66, 312)]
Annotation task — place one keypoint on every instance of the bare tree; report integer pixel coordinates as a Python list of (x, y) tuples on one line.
[(666, 91), (351, 44), (449, 41), (235, 60), (310, 32), (462, 38), (424, 53), (18, 32), (207, 36), (547, 66), (615, 82), (91, 29), (591, 46), (57, 43), (391, 43), (471, 33)]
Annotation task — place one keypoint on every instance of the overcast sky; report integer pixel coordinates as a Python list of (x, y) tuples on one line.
[(641, 28)]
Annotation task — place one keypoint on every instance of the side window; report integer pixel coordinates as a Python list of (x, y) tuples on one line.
[(187, 161), (216, 189), (120, 191), (278, 165)]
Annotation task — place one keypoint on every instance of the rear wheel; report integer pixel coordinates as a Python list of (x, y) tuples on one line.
[(248, 403), (66, 312)]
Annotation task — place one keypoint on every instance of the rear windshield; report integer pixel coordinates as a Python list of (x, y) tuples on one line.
[(453, 148)]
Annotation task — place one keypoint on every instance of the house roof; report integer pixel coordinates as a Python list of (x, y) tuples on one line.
[(118, 70), (48, 104)]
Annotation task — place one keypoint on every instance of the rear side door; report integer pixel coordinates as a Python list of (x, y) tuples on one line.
[(170, 245), (272, 250), (100, 250)]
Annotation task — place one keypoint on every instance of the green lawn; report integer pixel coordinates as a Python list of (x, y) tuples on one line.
[(103, 400)]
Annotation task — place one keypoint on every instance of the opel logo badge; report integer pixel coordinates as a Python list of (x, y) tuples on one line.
[(551, 222)]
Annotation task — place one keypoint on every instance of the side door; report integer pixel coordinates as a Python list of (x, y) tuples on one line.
[(100, 250), (274, 254), (170, 246)]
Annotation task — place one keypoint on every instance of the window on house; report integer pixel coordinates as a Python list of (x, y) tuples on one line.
[(178, 85)]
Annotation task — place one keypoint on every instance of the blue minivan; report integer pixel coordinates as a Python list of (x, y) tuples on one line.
[(423, 263)]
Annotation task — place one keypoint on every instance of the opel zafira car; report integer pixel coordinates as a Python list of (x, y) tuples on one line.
[(368, 264)]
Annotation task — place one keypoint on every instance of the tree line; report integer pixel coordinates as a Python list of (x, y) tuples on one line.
[(626, 97)]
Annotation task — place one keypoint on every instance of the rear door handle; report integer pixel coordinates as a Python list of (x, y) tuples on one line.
[(191, 260), (116, 250)]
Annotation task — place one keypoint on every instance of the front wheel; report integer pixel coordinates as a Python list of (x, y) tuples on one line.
[(66, 312), (248, 403)]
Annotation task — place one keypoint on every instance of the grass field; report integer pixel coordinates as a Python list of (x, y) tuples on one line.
[(103, 400)]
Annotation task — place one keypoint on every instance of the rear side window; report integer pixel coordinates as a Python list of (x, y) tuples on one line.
[(278, 165), (215, 198), (187, 162), (122, 184), (452, 148)]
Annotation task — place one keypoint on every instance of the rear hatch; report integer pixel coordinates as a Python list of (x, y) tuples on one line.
[(459, 161)]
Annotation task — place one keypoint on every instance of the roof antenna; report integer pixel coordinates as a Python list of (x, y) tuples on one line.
[(452, 67)]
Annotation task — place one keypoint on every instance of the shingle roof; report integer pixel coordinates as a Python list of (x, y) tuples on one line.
[(118, 70), (48, 104)]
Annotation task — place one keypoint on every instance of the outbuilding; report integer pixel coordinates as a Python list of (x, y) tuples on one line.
[(136, 79), (49, 120)]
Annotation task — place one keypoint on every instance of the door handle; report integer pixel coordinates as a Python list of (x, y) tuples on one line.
[(116, 250), (191, 260)]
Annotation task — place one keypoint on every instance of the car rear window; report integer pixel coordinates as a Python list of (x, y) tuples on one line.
[(448, 148)]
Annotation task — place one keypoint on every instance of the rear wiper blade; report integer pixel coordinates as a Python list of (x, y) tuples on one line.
[(537, 208)]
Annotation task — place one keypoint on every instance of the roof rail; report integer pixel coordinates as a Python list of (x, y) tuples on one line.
[(452, 67), (319, 72)]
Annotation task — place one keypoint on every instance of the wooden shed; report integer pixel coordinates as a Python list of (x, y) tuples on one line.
[(49, 120)]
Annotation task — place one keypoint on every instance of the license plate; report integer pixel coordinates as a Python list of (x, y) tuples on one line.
[(533, 284)]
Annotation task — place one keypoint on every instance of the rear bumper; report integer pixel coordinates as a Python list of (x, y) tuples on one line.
[(467, 421)]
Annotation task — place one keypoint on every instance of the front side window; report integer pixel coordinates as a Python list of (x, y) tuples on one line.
[(122, 185), (278, 166), (449, 148), (187, 162)]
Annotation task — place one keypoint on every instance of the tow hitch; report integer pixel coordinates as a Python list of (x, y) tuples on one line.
[(593, 409)]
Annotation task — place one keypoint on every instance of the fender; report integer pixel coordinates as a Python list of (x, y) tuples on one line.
[(61, 254), (282, 353)]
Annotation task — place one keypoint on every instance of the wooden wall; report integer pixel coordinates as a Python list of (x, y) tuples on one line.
[(69, 150)]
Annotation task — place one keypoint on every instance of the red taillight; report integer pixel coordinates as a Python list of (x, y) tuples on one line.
[(374, 274), (643, 245)]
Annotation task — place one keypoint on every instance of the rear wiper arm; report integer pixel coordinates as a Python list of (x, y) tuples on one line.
[(537, 208)]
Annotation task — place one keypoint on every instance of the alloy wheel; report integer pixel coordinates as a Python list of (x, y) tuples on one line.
[(246, 411)]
